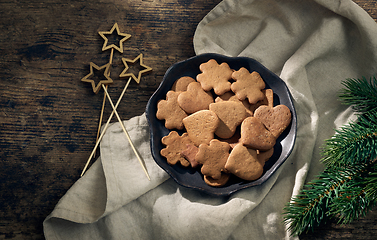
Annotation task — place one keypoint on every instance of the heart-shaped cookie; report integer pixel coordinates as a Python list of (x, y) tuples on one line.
[(255, 135), (276, 119), (194, 99)]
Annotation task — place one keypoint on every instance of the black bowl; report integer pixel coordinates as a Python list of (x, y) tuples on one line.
[(192, 178)]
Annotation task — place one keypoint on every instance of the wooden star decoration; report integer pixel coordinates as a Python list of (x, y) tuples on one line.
[(107, 79), (120, 48), (124, 72)]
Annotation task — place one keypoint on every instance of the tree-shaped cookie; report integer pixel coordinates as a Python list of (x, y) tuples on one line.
[(231, 115), (213, 158), (195, 98), (174, 145), (170, 111), (215, 76), (248, 85), (230, 96)]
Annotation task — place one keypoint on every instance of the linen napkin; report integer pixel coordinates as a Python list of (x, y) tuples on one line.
[(313, 46)]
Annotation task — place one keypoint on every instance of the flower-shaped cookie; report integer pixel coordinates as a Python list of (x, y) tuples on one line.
[(170, 111), (174, 145), (215, 76), (248, 85)]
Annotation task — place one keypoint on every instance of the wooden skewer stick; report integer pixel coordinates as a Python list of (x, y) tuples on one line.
[(125, 131), (105, 128), (101, 116), (104, 97), (111, 56)]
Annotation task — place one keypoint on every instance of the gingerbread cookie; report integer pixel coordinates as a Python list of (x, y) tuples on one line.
[(255, 135), (174, 145), (241, 116), (194, 99), (201, 126), (276, 119), (215, 76), (189, 154), (217, 182), (181, 84), (231, 115), (268, 100), (234, 140), (170, 111), (244, 163), (265, 155), (230, 96), (213, 158), (248, 85)]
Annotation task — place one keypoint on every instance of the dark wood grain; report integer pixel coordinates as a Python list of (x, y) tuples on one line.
[(48, 118)]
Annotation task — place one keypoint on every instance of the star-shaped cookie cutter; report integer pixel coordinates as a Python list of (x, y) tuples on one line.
[(120, 48), (97, 87), (124, 72)]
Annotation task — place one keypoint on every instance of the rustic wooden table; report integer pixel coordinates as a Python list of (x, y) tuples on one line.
[(48, 118)]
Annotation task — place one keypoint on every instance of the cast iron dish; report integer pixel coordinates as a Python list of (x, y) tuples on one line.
[(192, 178)]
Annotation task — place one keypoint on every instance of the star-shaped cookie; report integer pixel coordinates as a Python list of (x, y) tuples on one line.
[(124, 35), (106, 80), (142, 65)]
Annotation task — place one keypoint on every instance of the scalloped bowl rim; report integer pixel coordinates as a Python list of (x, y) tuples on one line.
[(192, 178)]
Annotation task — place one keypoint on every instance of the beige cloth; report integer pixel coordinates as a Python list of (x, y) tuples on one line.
[(312, 46)]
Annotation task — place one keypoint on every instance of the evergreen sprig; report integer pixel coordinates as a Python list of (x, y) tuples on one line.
[(314, 205), (357, 196), (347, 188), (353, 144), (361, 94)]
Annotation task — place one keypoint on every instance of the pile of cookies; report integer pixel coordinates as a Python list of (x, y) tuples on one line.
[(229, 122)]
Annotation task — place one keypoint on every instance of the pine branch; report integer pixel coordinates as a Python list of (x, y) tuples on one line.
[(310, 208), (361, 94), (347, 188), (357, 196), (355, 143)]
